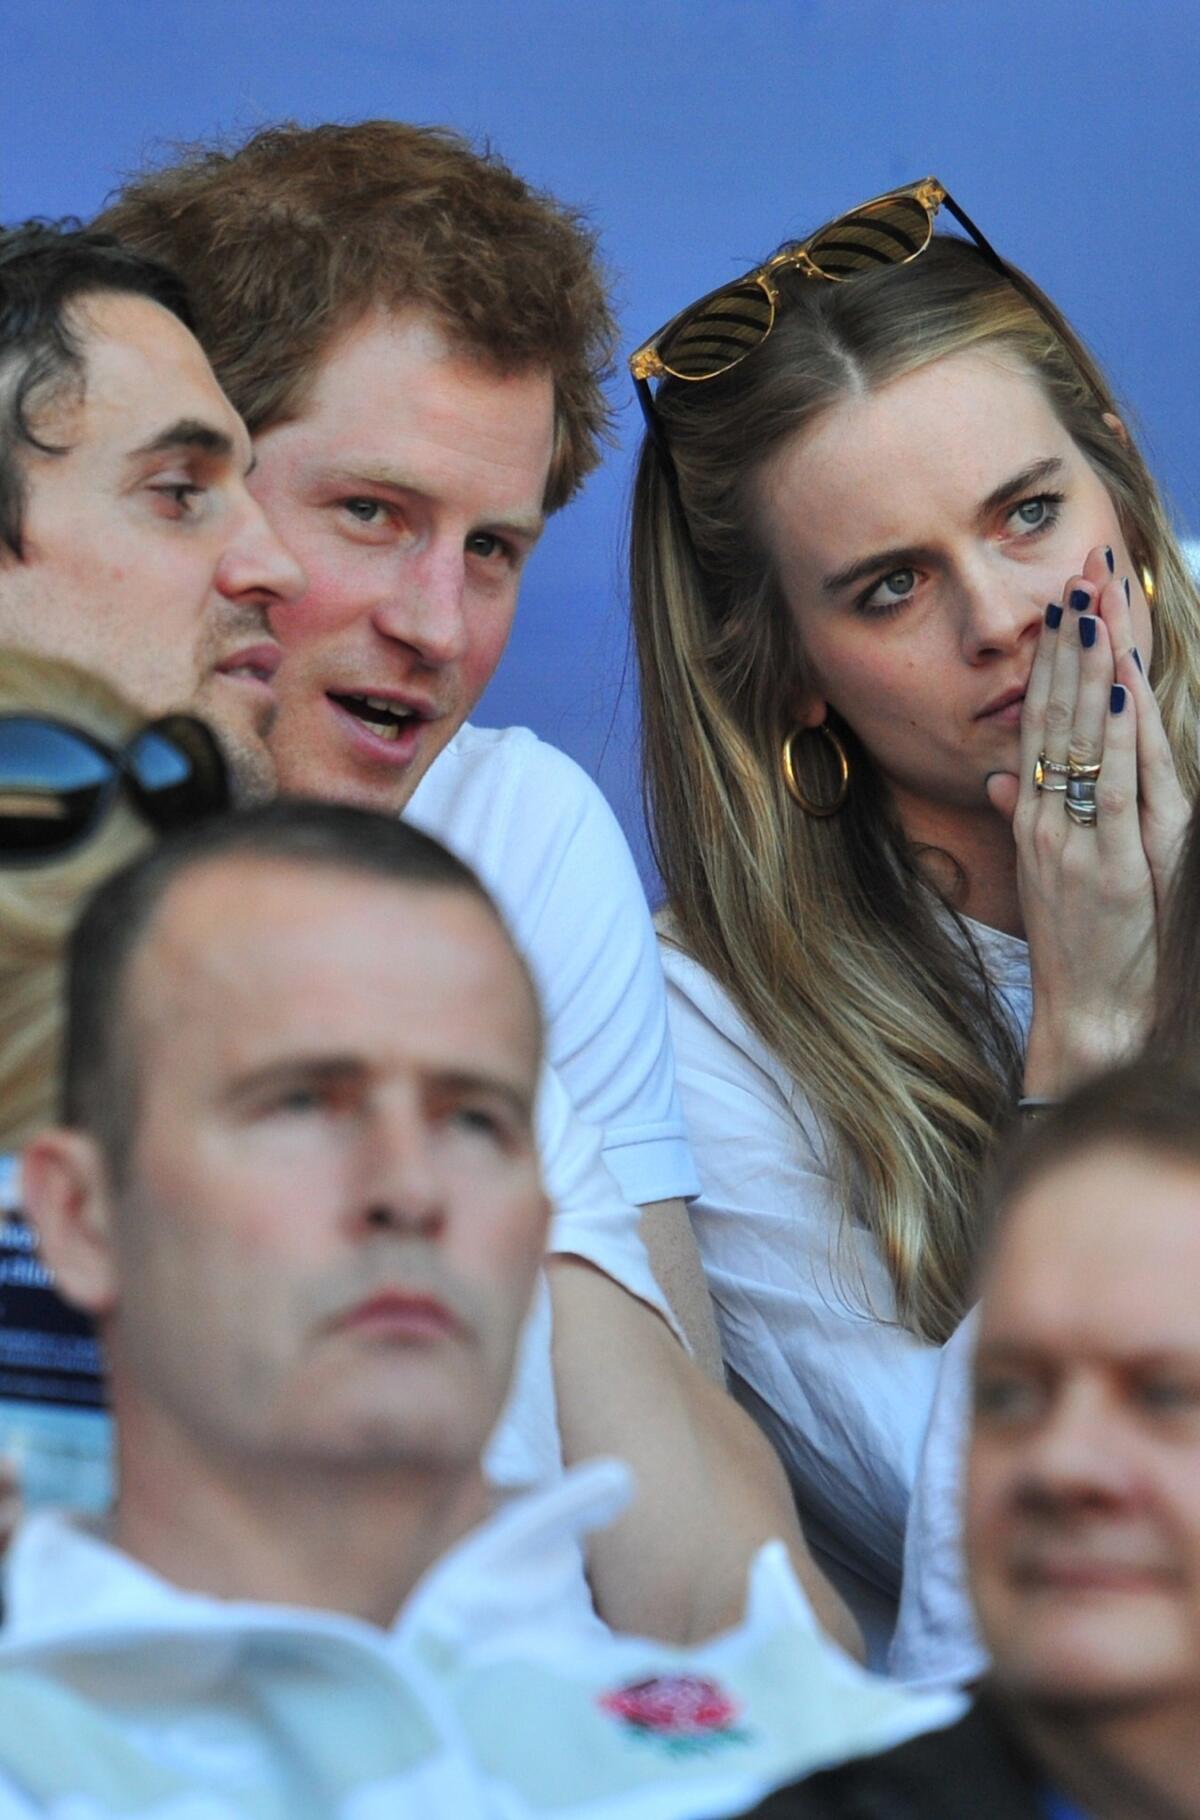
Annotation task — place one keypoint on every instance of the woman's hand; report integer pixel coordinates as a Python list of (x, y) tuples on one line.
[(1163, 810), (1088, 894)]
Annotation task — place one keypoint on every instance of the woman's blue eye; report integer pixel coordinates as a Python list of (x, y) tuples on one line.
[(890, 593), (1037, 514)]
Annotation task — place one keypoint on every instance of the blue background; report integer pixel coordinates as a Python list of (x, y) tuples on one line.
[(698, 133)]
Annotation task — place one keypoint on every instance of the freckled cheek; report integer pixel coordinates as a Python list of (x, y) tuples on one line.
[(877, 693), (334, 599), (485, 647)]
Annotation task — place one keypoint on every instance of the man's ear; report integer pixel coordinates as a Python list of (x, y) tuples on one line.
[(1117, 427), (66, 1198)]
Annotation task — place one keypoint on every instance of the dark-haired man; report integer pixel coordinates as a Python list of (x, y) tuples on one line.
[(417, 341), (1083, 1499), (309, 1224), (128, 539), (130, 543)]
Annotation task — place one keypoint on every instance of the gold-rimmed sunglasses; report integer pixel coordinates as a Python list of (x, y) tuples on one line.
[(715, 334)]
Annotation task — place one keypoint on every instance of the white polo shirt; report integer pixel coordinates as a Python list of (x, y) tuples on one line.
[(489, 1695)]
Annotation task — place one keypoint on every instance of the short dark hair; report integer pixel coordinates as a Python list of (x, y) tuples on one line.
[(291, 238), (44, 268), (100, 1074), (1151, 1105)]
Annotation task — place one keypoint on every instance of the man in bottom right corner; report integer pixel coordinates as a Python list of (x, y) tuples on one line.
[(1083, 1495)]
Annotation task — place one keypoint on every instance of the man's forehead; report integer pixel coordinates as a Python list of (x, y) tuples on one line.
[(142, 366), (318, 946), (1104, 1247), (390, 376)]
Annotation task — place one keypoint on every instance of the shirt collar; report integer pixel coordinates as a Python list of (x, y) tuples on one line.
[(64, 1582)]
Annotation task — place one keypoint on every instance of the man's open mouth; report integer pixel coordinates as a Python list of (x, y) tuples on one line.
[(388, 719)]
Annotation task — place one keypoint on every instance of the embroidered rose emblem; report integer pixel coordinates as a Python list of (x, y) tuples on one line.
[(683, 1712)]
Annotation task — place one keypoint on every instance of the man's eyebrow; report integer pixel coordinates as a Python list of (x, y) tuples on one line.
[(317, 1070), (465, 1081), (188, 433), (1052, 467), (1003, 1352), (911, 556), (358, 476)]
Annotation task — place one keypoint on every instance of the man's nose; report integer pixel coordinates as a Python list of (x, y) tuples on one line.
[(257, 565), (401, 1187), (1077, 1457), (426, 609)]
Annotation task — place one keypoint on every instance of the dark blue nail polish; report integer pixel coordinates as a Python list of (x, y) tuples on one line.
[(1108, 557), (1137, 658), (1125, 585), (1079, 600), (1087, 630), (1116, 700), (1053, 616)]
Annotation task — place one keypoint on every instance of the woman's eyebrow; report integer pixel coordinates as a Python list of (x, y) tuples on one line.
[(909, 556), (1052, 467)]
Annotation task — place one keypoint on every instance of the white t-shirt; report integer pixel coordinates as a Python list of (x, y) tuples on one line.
[(803, 1298), (490, 1697), (547, 846)]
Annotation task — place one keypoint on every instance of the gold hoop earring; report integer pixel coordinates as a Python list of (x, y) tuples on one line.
[(1146, 577), (788, 760)]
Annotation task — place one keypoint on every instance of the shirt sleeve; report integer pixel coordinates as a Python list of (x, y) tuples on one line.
[(590, 1219), (803, 1300), (585, 926), (544, 841), (936, 1643)]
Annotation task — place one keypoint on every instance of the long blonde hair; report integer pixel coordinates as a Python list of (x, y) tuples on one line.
[(827, 934), (39, 903)]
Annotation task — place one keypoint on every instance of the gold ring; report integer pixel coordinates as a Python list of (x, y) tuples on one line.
[(1074, 769), (1043, 769)]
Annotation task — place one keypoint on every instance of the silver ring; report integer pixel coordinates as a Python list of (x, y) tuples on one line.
[(1080, 801)]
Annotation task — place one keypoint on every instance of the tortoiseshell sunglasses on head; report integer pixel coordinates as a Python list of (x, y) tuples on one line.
[(712, 336)]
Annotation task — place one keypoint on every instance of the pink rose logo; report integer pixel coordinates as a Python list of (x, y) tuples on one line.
[(685, 1713)]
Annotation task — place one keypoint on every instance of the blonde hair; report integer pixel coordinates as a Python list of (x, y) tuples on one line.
[(39, 903), (827, 934)]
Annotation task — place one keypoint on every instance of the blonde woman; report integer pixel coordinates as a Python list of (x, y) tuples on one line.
[(83, 785), (904, 594)]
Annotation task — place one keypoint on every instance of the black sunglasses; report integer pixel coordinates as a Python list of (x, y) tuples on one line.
[(57, 783)]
